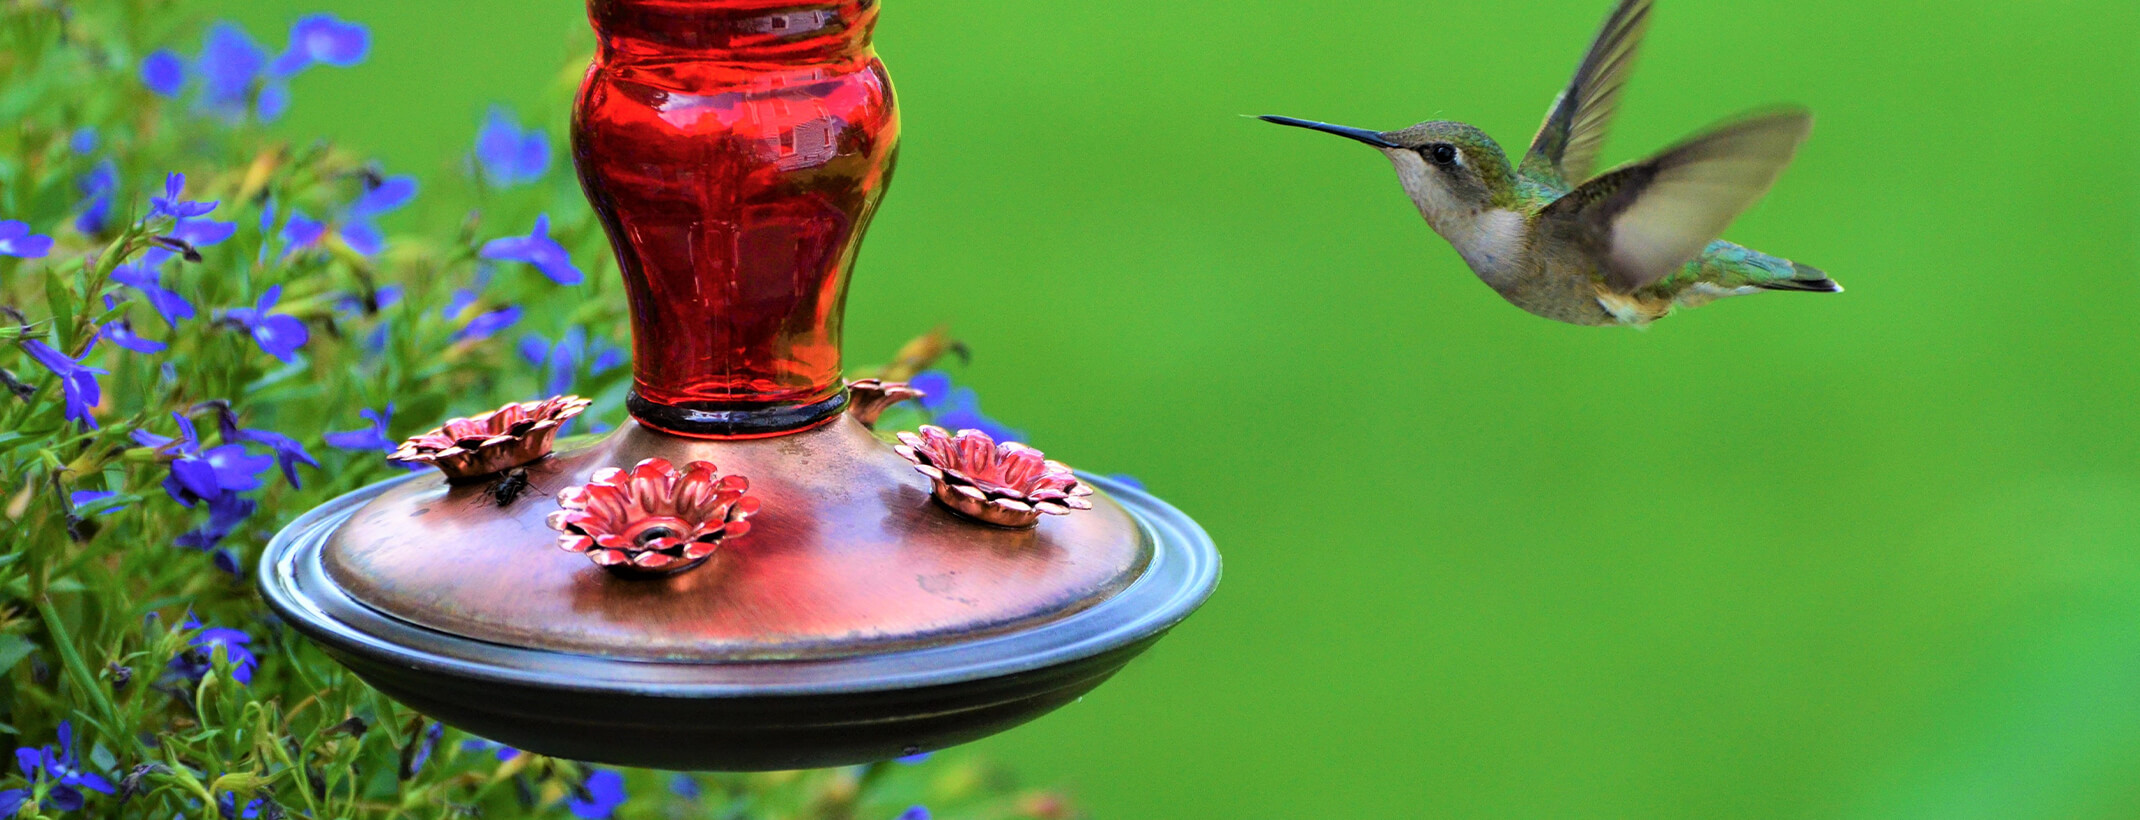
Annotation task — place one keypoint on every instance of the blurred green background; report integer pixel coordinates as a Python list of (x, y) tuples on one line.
[(1872, 555)]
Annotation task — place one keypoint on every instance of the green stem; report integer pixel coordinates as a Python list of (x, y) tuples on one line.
[(71, 658)]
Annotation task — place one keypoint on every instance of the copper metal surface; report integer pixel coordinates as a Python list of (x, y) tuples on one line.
[(849, 556), (1008, 484), (466, 449)]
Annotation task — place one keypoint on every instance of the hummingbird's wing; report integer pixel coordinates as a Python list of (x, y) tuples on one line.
[(1567, 144), (1646, 219)]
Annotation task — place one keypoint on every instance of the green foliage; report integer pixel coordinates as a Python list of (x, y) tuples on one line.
[(98, 602)]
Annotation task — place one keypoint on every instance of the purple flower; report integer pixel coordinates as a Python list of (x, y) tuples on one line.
[(172, 206), (121, 332), (83, 140), (274, 101), (684, 786), (385, 296), (301, 232), (142, 275), (97, 188), (561, 362), (323, 39), (508, 155), (198, 474), (164, 73), (360, 228), (78, 382), (425, 745), (279, 334), (225, 513), (16, 240), (915, 813), (289, 452), (959, 408), (226, 807), (538, 249), (599, 797), (229, 64), (201, 233), (367, 439), (501, 751), (198, 660), (60, 763), (484, 325)]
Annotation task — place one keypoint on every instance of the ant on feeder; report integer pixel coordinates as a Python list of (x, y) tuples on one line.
[(509, 487)]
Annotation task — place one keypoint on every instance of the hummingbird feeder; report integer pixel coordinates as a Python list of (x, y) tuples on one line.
[(750, 579)]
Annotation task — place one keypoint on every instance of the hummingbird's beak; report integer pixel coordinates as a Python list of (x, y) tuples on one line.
[(1363, 135)]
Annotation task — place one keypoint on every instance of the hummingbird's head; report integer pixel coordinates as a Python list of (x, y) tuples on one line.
[(1451, 170)]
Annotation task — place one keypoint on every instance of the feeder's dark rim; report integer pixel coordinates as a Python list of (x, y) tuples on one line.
[(744, 420), (1183, 572)]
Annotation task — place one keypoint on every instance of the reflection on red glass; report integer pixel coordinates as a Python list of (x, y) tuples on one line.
[(735, 151)]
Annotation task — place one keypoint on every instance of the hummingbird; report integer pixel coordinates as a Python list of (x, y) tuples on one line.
[(1624, 247)]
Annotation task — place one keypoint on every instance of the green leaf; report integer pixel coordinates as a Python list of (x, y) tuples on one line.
[(13, 648), (61, 300)]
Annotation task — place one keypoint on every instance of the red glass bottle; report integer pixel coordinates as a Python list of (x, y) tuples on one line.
[(735, 151)]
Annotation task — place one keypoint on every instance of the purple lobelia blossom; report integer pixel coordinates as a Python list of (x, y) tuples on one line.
[(120, 332), (198, 659), (359, 228), (78, 381), (323, 39), (425, 745), (97, 187), (164, 72), (17, 240), (560, 363), (279, 334), (301, 232), (369, 438), (171, 204), (289, 452), (485, 325), (684, 786), (83, 140), (201, 233), (197, 473), (598, 797), (62, 765), (225, 513), (538, 249), (142, 275), (498, 750), (226, 807), (959, 408), (509, 156), (915, 813), (230, 63)]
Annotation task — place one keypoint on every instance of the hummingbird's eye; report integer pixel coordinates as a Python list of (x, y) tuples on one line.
[(1442, 154)]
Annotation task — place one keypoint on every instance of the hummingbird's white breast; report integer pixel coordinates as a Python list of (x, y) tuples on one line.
[(1491, 240)]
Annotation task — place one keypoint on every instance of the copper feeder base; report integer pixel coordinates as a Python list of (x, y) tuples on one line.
[(858, 621)]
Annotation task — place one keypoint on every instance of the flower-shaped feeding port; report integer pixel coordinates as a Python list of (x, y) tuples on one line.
[(510, 436), (1008, 484), (653, 519), (867, 399)]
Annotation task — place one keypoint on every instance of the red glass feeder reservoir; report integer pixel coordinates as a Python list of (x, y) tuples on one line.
[(751, 578)]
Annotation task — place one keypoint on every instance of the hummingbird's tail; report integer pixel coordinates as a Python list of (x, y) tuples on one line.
[(1804, 278)]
